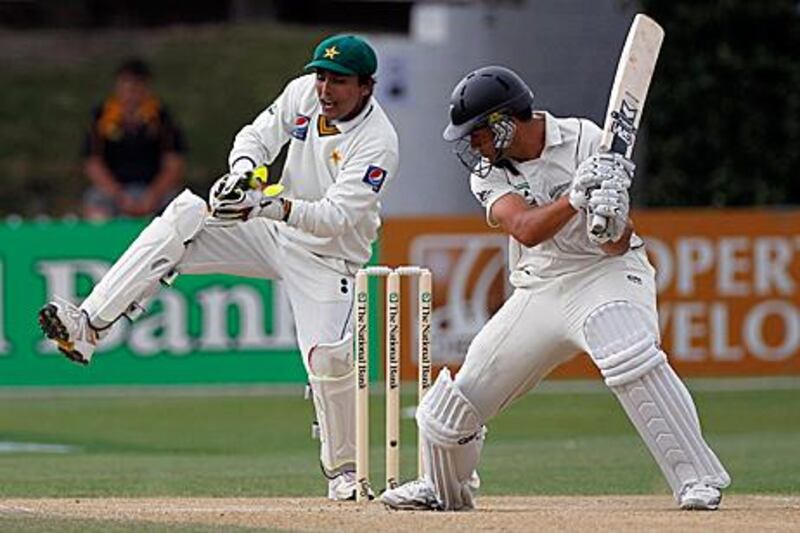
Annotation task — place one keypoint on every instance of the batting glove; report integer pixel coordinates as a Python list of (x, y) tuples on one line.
[(596, 169), (610, 200)]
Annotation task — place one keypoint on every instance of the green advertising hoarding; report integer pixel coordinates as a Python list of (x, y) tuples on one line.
[(209, 329)]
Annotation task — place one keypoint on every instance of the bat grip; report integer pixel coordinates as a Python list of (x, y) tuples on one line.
[(599, 224)]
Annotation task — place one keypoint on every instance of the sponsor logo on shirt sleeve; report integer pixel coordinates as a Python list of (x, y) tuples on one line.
[(300, 129), (374, 177)]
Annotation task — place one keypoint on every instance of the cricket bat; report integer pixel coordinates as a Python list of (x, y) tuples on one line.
[(631, 82)]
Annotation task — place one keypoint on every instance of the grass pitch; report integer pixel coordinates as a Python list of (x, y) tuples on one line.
[(256, 443)]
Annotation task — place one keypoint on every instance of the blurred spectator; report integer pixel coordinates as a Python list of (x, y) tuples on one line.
[(134, 150)]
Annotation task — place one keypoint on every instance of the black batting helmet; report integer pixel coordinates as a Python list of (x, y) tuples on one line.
[(488, 90)]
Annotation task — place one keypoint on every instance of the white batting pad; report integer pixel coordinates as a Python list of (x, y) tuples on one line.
[(135, 277), (452, 439), (625, 348), (330, 368)]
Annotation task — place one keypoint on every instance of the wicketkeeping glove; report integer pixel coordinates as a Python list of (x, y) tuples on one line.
[(231, 186), (254, 203), (596, 169), (237, 197)]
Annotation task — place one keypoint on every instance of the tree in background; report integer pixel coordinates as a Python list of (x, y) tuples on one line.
[(723, 114)]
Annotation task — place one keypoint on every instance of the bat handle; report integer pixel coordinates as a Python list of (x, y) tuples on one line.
[(599, 224)]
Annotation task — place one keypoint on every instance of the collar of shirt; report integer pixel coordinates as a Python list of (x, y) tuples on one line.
[(552, 133), (347, 125), (552, 137)]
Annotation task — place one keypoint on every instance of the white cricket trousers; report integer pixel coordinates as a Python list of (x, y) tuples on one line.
[(541, 326), (320, 290)]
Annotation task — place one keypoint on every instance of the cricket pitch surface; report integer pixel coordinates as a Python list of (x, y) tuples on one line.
[(514, 513)]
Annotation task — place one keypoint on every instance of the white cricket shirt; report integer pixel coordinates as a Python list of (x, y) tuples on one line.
[(335, 171), (541, 181)]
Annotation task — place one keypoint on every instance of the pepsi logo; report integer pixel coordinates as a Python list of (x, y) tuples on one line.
[(300, 130), (374, 177)]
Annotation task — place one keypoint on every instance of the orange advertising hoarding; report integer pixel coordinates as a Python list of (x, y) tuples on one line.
[(729, 302)]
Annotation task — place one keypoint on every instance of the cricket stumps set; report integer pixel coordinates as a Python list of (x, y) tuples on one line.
[(392, 333)]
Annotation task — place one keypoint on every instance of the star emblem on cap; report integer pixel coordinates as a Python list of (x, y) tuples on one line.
[(331, 53)]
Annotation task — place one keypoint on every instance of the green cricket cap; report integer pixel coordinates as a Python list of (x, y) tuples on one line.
[(344, 54)]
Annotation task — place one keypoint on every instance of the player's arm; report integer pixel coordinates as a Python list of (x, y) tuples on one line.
[(261, 141), (530, 225), (256, 145)]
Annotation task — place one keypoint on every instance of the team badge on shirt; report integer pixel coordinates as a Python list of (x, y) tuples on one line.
[(325, 128), (300, 129), (374, 177), (484, 195)]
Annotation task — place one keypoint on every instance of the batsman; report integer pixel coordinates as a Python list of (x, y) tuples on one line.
[(312, 231), (541, 180)]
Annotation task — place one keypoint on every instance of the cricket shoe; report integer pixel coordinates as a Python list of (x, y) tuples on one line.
[(344, 486), (68, 327), (417, 495), (700, 497)]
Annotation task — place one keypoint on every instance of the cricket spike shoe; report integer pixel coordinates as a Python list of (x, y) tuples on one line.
[(343, 487), (68, 327), (417, 495), (700, 497)]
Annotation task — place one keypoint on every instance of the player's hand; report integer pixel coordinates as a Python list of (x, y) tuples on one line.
[(228, 188), (253, 203), (596, 169), (611, 201)]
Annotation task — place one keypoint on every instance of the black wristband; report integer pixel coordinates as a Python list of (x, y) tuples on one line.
[(244, 158), (286, 212)]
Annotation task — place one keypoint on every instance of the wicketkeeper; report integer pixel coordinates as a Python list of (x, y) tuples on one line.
[(313, 232), (540, 179)]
